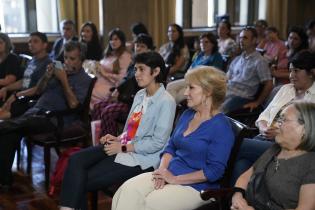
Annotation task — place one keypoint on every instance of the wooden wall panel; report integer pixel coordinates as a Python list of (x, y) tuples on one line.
[(123, 13), (300, 11)]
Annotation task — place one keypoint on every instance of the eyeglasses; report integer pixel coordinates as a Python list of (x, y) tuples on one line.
[(281, 119)]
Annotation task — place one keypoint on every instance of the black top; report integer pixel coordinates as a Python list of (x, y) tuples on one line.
[(10, 66)]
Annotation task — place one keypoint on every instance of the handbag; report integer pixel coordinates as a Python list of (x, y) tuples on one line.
[(257, 193)]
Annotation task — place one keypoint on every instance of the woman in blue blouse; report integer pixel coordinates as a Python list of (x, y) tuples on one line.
[(195, 157), (136, 150), (209, 56)]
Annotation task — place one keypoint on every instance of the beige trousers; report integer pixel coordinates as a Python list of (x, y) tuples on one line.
[(138, 193), (177, 89)]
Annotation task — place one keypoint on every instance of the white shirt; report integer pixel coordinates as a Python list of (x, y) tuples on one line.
[(286, 94)]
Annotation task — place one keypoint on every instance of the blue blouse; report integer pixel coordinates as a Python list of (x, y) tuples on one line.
[(212, 60), (207, 148)]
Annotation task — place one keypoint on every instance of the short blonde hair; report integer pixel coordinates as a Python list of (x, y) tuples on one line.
[(211, 80)]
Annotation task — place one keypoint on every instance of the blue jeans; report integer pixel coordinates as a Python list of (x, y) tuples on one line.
[(232, 103), (250, 151)]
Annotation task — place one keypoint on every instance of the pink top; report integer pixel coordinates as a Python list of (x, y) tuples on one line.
[(106, 78), (277, 49)]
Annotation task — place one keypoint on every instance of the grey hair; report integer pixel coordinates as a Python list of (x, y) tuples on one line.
[(307, 118), (72, 45)]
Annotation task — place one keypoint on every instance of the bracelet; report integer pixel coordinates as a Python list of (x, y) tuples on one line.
[(238, 189)]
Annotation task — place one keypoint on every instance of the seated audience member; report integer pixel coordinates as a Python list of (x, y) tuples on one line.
[(311, 34), (119, 103), (260, 26), (175, 52), (275, 48), (9, 64), (136, 150), (209, 56), (136, 29), (89, 35), (302, 87), (196, 155), (67, 29), (60, 89), (246, 73), (284, 176), (27, 85), (227, 45), (297, 41), (113, 66)]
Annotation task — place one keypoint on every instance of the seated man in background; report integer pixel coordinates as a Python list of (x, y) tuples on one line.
[(245, 75), (67, 29), (26, 86), (60, 89)]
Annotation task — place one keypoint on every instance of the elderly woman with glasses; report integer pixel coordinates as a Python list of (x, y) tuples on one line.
[(288, 164), (302, 87)]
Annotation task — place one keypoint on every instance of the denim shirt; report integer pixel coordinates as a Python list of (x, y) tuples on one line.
[(153, 131)]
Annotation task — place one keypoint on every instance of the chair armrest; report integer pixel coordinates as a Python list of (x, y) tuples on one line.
[(59, 114), (215, 193)]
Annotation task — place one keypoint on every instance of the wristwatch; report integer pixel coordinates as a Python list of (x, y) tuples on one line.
[(124, 148), (241, 190)]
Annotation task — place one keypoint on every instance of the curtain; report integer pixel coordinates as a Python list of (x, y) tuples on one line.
[(277, 13), (88, 11), (67, 11), (161, 14), (80, 11)]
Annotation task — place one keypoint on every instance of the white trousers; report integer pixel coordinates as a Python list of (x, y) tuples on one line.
[(177, 89), (138, 193)]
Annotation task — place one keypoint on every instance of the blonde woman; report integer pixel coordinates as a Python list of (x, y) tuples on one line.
[(195, 157)]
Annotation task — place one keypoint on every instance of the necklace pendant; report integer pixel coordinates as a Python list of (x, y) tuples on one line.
[(277, 165)]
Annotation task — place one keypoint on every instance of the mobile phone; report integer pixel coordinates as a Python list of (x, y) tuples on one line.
[(57, 64)]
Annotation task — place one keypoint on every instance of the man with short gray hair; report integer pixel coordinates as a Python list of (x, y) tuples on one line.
[(67, 28)]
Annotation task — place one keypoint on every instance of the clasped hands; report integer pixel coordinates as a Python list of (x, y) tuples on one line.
[(112, 144), (161, 177)]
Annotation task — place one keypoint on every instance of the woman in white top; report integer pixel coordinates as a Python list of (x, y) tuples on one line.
[(227, 45)]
